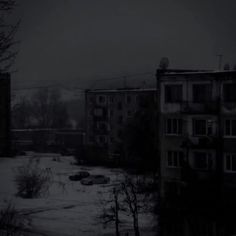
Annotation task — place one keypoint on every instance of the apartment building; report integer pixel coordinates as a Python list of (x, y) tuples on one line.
[(4, 114), (197, 127), (108, 111)]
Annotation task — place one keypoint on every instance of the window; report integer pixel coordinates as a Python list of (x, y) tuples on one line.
[(111, 99), (175, 159), (120, 119), (129, 113), (230, 162), (119, 134), (98, 112), (101, 99), (174, 126), (111, 139), (173, 93), (229, 93), (230, 127), (202, 160), (119, 106), (111, 113), (202, 93), (202, 127), (102, 126), (102, 139), (128, 99)]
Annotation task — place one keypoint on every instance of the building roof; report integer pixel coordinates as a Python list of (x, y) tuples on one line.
[(195, 72), (121, 90)]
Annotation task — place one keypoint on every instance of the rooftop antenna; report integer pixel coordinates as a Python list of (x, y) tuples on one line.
[(220, 56)]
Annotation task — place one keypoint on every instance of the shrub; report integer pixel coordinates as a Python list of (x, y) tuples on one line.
[(11, 221), (32, 181)]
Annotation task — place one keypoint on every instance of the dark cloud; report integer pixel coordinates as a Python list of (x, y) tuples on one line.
[(67, 39)]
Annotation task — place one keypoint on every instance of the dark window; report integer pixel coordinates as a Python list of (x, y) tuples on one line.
[(120, 119), (202, 160), (199, 127), (174, 126), (173, 93), (119, 106), (111, 113), (202, 93), (230, 127), (102, 139), (230, 162), (101, 99), (229, 92), (119, 134), (111, 99), (111, 139), (128, 99), (175, 158), (129, 113)]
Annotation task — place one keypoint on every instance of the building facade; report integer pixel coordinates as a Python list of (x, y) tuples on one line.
[(108, 111), (4, 114), (197, 127)]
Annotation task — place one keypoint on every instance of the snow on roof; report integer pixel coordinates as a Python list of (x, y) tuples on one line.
[(121, 90), (182, 72)]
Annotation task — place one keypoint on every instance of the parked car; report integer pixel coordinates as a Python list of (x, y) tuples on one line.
[(79, 176), (95, 179)]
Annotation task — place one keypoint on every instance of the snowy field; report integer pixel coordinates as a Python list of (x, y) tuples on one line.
[(69, 208)]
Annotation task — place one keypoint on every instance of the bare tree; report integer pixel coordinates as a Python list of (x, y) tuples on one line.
[(131, 201), (21, 114), (49, 110), (7, 36), (111, 213)]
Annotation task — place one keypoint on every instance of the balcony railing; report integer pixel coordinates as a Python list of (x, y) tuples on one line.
[(200, 108)]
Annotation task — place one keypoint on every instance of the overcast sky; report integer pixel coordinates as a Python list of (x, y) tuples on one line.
[(64, 40)]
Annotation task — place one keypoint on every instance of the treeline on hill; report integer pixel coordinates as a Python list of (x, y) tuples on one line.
[(44, 109)]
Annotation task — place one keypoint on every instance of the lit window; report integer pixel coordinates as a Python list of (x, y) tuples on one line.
[(174, 126), (230, 162), (175, 159)]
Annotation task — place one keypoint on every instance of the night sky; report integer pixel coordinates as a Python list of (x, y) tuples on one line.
[(76, 41)]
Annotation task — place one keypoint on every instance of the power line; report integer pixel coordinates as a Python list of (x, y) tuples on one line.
[(94, 82)]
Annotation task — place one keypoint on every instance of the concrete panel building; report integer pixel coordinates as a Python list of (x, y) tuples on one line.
[(197, 127), (4, 114), (107, 112)]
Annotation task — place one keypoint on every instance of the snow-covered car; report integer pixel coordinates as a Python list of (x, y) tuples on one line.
[(95, 179), (79, 176)]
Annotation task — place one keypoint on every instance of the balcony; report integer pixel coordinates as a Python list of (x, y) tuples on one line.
[(207, 142), (199, 108)]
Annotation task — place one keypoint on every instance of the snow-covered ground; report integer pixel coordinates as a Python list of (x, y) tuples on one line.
[(69, 208)]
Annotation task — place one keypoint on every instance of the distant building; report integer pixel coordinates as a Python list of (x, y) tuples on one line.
[(108, 111), (4, 114), (197, 127), (44, 140)]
